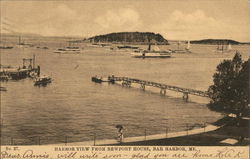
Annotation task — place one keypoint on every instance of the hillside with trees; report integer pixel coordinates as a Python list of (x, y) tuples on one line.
[(215, 41), (130, 37)]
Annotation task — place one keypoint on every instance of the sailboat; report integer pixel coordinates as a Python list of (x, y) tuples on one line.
[(229, 47), (186, 50), (68, 50), (188, 45), (20, 43), (222, 48)]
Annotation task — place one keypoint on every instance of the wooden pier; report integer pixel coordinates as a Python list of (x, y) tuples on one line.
[(126, 81)]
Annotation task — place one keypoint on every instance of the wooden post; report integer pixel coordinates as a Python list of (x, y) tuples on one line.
[(94, 138), (11, 141), (166, 132), (66, 140), (34, 58), (39, 140), (23, 62)]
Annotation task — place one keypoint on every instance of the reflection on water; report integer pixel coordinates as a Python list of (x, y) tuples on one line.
[(74, 106)]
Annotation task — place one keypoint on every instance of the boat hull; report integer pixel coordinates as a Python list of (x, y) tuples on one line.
[(67, 52), (151, 55)]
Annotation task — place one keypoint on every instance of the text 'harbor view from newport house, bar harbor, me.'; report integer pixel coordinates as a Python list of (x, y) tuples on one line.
[(125, 72)]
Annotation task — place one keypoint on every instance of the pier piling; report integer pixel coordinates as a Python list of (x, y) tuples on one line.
[(11, 141), (185, 96), (163, 91), (39, 140)]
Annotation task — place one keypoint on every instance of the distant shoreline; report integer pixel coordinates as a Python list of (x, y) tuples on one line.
[(218, 42)]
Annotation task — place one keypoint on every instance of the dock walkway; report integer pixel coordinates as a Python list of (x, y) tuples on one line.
[(127, 81)]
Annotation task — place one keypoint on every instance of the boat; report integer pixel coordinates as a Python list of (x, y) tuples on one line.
[(42, 80), (68, 50), (3, 89), (3, 77), (224, 48), (188, 45), (99, 79), (21, 44), (127, 47), (6, 47), (186, 50), (151, 53)]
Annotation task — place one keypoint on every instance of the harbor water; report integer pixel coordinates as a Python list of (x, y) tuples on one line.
[(73, 106)]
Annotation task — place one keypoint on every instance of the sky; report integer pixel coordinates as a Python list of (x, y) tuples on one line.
[(174, 19)]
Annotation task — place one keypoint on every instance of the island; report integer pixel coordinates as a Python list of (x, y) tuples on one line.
[(130, 38)]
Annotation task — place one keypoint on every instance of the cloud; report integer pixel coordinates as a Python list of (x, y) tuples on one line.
[(61, 20), (197, 24), (126, 19)]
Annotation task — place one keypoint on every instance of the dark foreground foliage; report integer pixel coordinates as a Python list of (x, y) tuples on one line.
[(230, 91)]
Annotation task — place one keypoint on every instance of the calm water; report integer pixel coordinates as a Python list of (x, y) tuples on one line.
[(74, 106)]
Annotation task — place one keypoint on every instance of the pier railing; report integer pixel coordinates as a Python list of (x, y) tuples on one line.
[(126, 81), (95, 139)]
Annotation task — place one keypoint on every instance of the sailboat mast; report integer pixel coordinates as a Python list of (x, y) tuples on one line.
[(222, 46), (34, 58), (188, 46)]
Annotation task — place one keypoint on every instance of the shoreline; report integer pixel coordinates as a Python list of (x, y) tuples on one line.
[(188, 132)]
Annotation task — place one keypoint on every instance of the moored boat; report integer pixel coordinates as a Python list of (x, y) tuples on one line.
[(42, 80), (68, 50), (6, 47), (99, 79), (151, 53), (3, 89)]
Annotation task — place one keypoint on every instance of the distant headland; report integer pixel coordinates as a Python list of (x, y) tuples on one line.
[(130, 37), (217, 41)]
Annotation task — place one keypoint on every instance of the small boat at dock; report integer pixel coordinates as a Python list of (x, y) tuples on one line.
[(3, 89), (99, 79), (42, 80)]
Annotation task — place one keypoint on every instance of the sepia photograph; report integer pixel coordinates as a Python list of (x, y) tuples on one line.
[(124, 73)]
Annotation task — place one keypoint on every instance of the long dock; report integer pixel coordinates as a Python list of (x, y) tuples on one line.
[(126, 81)]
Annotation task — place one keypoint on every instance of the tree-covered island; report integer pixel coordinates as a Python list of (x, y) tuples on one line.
[(130, 37)]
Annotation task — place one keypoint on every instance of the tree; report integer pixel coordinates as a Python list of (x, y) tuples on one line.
[(230, 91)]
